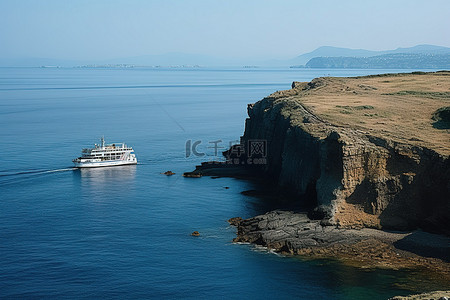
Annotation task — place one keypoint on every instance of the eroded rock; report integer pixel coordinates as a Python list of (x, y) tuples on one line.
[(295, 234)]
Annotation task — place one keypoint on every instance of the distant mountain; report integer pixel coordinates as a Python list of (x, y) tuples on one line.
[(328, 51), (409, 60), (424, 49)]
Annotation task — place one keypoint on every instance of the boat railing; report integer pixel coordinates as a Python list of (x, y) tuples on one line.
[(106, 149)]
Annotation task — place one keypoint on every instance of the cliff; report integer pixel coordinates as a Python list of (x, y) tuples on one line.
[(366, 151)]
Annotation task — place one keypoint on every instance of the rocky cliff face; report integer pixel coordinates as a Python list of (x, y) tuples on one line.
[(357, 178)]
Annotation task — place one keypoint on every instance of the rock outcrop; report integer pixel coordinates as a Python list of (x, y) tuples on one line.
[(367, 165), (295, 234), (437, 295)]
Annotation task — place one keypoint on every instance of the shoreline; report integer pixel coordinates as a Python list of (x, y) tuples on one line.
[(372, 168), (294, 234)]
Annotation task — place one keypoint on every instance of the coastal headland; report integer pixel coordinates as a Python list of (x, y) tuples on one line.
[(369, 155)]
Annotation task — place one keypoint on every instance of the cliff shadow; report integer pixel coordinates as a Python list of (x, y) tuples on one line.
[(331, 169), (272, 197), (420, 200), (364, 195), (426, 244)]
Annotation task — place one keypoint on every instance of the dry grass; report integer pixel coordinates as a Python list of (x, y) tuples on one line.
[(396, 106)]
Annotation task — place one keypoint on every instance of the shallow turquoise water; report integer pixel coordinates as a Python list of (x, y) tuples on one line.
[(125, 231)]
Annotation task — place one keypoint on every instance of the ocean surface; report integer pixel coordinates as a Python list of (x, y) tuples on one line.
[(124, 232)]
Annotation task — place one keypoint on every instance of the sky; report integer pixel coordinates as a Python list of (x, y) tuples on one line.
[(263, 29)]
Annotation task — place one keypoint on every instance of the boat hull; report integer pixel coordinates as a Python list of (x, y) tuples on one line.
[(100, 164)]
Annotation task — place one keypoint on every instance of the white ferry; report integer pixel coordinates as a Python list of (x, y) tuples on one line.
[(106, 155)]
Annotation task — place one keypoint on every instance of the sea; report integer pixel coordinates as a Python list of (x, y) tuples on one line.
[(125, 232)]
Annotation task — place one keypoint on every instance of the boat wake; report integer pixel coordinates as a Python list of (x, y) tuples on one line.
[(11, 176)]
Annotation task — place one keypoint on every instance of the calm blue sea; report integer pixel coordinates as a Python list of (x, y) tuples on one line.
[(124, 232)]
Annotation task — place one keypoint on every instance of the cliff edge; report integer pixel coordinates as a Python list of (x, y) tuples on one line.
[(366, 151)]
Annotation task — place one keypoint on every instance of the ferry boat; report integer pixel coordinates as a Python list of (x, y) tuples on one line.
[(106, 155)]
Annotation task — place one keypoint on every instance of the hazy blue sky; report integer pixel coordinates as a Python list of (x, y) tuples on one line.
[(103, 29)]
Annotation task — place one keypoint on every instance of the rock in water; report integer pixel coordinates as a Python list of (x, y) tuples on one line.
[(169, 173), (192, 174), (195, 233)]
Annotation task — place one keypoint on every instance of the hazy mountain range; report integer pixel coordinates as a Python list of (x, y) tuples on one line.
[(180, 59), (385, 61), (328, 51)]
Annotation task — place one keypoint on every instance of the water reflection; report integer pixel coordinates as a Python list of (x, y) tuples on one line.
[(107, 177), (105, 198)]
